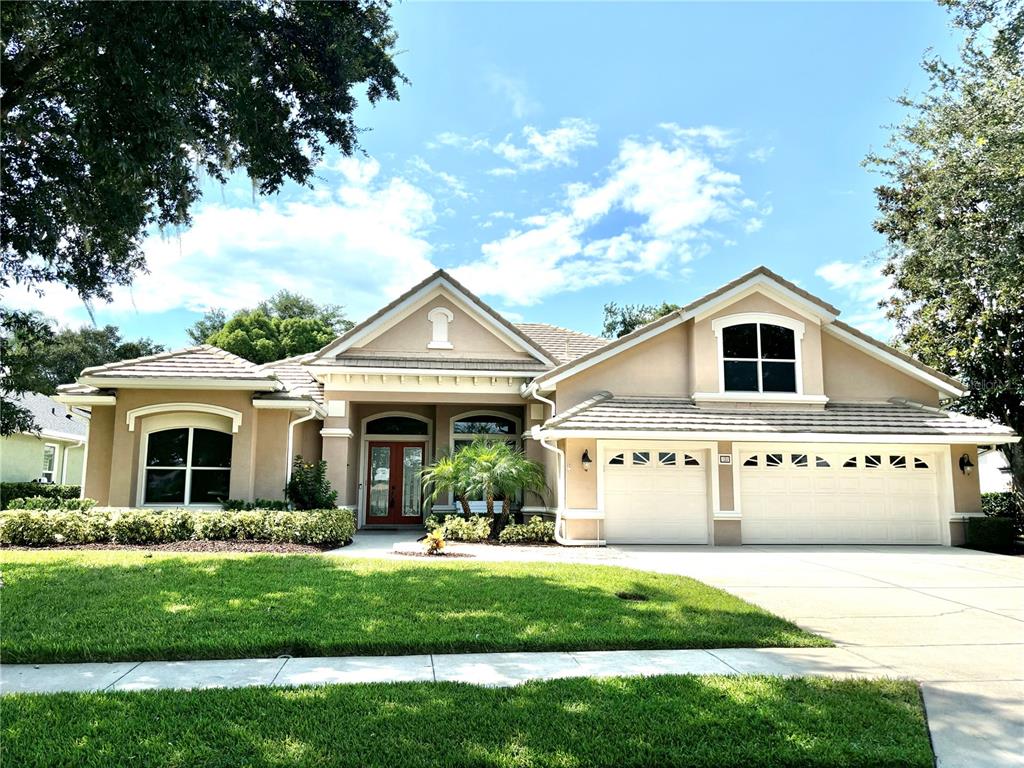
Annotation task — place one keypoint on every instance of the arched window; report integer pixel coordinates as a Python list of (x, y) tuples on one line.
[(187, 465), (759, 353), (397, 425)]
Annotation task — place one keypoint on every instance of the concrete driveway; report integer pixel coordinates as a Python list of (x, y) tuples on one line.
[(950, 618)]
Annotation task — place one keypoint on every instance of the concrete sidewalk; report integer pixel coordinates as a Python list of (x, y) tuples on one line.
[(495, 669)]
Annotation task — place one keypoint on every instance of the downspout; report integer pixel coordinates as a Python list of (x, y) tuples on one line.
[(531, 391), (291, 442), (87, 420), (64, 463)]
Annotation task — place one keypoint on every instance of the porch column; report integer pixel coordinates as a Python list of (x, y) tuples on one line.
[(338, 451)]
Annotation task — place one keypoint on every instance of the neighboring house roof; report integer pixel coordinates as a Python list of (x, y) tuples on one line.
[(204, 362), (52, 418), (605, 412), (327, 355), (564, 344)]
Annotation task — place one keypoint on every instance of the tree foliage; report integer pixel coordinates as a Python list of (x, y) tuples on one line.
[(287, 324), (112, 113), (952, 210), (620, 320), (62, 359)]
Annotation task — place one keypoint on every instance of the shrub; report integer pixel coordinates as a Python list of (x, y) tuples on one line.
[(309, 487), (477, 528), (1005, 504), (48, 502), (11, 491), (139, 526), (239, 505), (535, 530), (990, 534), (433, 543), (46, 528)]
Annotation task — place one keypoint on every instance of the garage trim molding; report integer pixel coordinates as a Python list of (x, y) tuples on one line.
[(606, 447)]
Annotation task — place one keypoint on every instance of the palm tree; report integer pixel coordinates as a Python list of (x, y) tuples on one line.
[(494, 468), (447, 474)]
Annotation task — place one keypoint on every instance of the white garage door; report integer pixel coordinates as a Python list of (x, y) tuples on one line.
[(655, 495), (825, 495)]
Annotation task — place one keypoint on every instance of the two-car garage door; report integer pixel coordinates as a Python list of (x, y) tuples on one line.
[(829, 495)]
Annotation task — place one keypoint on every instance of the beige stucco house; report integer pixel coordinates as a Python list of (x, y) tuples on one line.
[(751, 415)]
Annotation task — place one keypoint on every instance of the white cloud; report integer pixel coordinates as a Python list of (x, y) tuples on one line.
[(532, 149), (366, 239), (675, 190), (753, 225), (452, 183), (515, 91), (866, 286), (761, 154), (715, 137)]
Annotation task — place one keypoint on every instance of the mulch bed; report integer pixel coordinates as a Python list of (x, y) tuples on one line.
[(198, 546)]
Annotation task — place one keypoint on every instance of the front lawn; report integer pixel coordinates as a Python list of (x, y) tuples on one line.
[(107, 606), (759, 722)]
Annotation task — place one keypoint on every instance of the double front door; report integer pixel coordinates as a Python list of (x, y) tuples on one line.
[(394, 488)]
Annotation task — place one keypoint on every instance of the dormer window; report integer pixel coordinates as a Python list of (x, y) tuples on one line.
[(759, 354)]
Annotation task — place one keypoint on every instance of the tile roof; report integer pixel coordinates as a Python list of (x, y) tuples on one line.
[(437, 363), (202, 362), (564, 344), (671, 415), (50, 416), (439, 274), (296, 378)]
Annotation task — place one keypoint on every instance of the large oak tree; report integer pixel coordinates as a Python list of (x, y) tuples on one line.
[(113, 112), (952, 210)]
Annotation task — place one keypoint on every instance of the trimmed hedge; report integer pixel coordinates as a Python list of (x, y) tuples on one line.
[(457, 528), (536, 530), (46, 502), (11, 491), (240, 505), (1005, 504), (990, 534), (45, 528)]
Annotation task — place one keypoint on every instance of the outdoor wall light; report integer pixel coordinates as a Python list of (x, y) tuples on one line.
[(966, 465), (585, 460)]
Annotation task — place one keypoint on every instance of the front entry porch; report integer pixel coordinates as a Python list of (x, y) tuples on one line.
[(375, 450)]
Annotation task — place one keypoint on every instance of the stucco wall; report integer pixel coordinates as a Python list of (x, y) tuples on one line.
[(966, 488), (99, 460), (581, 485), (468, 337), (726, 498), (270, 460), (21, 459), (705, 344), (72, 464), (124, 454), (852, 375), (658, 366)]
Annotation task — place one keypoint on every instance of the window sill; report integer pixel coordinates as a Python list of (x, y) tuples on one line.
[(758, 397)]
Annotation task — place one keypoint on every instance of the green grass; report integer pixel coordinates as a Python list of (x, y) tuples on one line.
[(107, 605), (759, 722)]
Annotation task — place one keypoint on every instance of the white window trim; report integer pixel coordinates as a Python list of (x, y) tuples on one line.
[(761, 318), (54, 473), (189, 421), (470, 436), (198, 408)]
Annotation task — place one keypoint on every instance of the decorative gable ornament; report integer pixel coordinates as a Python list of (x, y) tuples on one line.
[(439, 318)]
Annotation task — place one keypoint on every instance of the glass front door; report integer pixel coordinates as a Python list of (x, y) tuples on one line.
[(394, 490)]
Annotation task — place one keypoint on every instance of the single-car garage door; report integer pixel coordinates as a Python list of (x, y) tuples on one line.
[(655, 495), (825, 495)]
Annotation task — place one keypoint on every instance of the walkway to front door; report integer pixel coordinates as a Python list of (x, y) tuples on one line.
[(394, 490)]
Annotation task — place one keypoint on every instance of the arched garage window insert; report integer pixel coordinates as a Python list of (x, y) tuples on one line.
[(187, 465), (759, 353)]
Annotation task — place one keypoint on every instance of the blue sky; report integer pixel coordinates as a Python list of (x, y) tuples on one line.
[(559, 156)]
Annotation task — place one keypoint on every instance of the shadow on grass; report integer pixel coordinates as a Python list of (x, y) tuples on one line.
[(665, 721), (108, 606)]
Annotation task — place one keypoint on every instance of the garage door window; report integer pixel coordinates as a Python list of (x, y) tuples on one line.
[(803, 460)]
